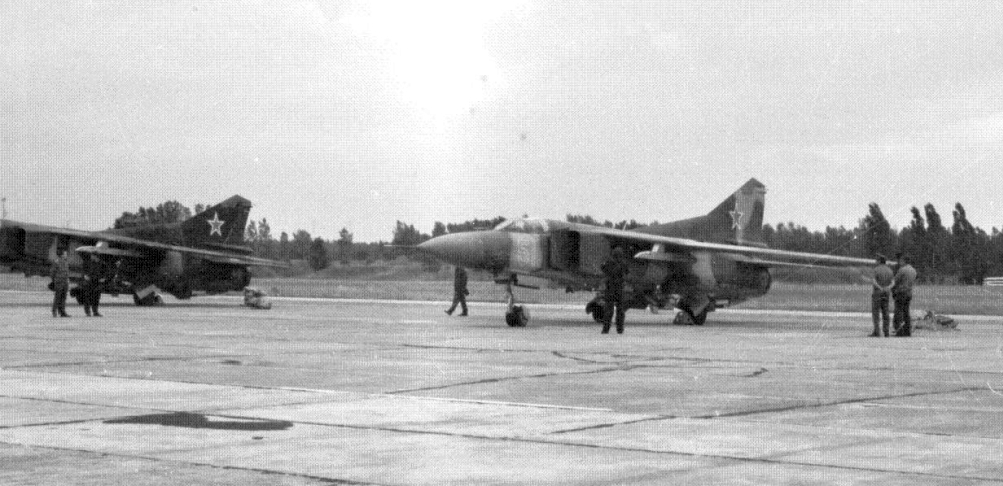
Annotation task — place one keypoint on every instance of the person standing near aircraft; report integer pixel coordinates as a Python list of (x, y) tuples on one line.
[(460, 291), (90, 291), (905, 277), (882, 286), (60, 274), (615, 270)]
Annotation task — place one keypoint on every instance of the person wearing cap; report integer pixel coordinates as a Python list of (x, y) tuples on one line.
[(880, 294)]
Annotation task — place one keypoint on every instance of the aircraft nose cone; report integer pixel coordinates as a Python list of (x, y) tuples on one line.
[(480, 249)]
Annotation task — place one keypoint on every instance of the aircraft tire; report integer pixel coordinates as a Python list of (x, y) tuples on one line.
[(75, 293), (690, 319), (149, 300), (517, 317), (698, 319)]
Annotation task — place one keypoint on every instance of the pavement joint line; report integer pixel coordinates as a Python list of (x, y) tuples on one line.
[(61, 422), (71, 402), (615, 424), (746, 413), (507, 404), (456, 400), (774, 459), (201, 464), (505, 378), (468, 348), (245, 387), (398, 395), (118, 361), (545, 441)]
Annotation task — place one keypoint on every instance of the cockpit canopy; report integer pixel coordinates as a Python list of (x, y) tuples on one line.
[(526, 225)]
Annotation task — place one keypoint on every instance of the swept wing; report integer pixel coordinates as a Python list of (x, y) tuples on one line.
[(109, 243)]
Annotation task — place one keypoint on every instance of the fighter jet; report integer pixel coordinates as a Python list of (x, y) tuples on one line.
[(696, 265), (204, 254)]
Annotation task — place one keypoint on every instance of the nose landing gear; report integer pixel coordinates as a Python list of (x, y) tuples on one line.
[(517, 315)]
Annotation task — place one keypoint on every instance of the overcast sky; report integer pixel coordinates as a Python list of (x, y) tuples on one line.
[(358, 114)]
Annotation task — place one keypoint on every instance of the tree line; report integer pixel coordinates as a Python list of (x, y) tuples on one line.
[(959, 253)]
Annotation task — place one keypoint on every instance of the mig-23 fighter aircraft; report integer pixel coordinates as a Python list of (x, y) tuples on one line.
[(204, 254), (696, 265)]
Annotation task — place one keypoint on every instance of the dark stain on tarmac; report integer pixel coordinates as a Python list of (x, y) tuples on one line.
[(199, 421)]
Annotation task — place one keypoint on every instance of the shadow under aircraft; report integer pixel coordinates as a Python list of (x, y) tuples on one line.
[(205, 254), (696, 265)]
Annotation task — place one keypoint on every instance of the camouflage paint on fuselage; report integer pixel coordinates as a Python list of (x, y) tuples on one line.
[(30, 249)]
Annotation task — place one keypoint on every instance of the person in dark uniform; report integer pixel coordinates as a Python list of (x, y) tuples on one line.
[(460, 291), (60, 273), (615, 271), (90, 291), (880, 294), (905, 278)]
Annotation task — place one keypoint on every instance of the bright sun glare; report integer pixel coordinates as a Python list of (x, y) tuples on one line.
[(437, 50)]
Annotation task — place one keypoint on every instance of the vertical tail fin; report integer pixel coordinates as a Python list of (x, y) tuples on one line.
[(739, 218), (220, 224)]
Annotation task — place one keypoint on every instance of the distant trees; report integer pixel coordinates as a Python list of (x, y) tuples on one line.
[(587, 219), (407, 235), (299, 247), (971, 248), (316, 255), (344, 246), (878, 236), (471, 225), (962, 252), (166, 212)]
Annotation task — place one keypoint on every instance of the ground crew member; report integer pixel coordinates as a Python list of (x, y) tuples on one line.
[(60, 273), (880, 294), (902, 284), (90, 291), (615, 271), (460, 291)]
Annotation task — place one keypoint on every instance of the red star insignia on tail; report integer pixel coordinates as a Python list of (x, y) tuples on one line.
[(217, 225), (736, 219)]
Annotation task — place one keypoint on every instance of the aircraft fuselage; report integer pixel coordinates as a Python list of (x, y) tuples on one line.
[(173, 272), (571, 255)]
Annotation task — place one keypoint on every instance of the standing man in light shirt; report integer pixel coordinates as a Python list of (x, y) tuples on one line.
[(880, 294)]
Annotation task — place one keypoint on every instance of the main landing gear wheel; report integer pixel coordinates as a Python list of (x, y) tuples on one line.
[(76, 294), (517, 315), (688, 318), (150, 300)]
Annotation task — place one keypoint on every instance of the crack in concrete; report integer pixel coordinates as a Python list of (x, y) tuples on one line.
[(69, 402), (746, 413), (54, 423), (469, 348), (204, 464), (117, 361), (773, 460), (507, 378), (621, 358), (614, 424), (761, 460)]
